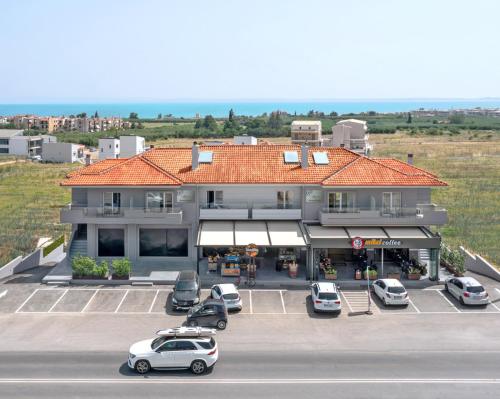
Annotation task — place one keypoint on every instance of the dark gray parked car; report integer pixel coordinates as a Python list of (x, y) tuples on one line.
[(187, 290), (209, 313)]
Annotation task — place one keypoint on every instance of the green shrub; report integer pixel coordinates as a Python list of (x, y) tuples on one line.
[(454, 258), (83, 266), (122, 267), (100, 270)]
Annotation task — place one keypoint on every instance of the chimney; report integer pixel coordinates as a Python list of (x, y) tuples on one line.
[(305, 154), (88, 161), (342, 145), (151, 146), (194, 156), (410, 159)]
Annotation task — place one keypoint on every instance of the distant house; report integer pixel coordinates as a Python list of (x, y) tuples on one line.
[(131, 145), (306, 132), (14, 142), (62, 152), (109, 147), (351, 134), (245, 140)]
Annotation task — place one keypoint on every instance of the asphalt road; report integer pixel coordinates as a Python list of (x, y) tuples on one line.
[(290, 374)]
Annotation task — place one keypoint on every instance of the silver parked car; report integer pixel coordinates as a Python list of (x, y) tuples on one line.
[(467, 290)]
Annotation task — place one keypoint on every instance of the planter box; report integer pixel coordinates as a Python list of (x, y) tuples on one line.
[(89, 277), (115, 277), (397, 276), (414, 276), (330, 276), (451, 269), (372, 277)]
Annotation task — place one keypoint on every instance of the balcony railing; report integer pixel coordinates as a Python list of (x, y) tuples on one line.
[(247, 210), (422, 214), (225, 210), (84, 214)]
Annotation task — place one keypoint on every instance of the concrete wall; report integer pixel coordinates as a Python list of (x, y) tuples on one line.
[(477, 264), (18, 146)]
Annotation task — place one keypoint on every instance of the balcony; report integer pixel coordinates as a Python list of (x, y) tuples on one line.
[(225, 211), (255, 211), (127, 215), (273, 211), (421, 215)]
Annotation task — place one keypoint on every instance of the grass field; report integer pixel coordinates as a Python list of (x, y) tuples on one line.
[(30, 198), (30, 195)]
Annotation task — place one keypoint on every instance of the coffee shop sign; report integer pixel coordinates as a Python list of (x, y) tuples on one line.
[(360, 243)]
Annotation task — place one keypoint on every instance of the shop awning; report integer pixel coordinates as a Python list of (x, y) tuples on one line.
[(239, 233), (285, 234), (212, 234), (375, 237), (251, 232)]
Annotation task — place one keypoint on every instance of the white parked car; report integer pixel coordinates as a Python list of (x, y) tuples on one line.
[(191, 348), (229, 294), (391, 291), (325, 297), (467, 290)]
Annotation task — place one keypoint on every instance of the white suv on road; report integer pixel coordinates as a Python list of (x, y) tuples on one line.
[(391, 291), (467, 290), (177, 348), (325, 297)]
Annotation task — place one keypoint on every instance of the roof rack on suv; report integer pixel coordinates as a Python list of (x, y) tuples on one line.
[(193, 332)]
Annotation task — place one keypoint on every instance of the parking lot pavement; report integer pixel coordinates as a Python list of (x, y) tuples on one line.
[(268, 301), (137, 301), (73, 301), (40, 301), (295, 302), (105, 300), (411, 308), (13, 295)]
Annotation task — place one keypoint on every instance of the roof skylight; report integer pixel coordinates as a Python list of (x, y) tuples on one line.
[(291, 157), (205, 157), (320, 158)]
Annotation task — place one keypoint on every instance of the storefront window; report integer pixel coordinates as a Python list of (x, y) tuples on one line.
[(163, 242), (111, 242)]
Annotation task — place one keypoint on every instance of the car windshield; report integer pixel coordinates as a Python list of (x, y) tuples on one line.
[(186, 286), (230, 296), (476, 289), (196, 308), (396, 290), (158, 342), (328, 296)]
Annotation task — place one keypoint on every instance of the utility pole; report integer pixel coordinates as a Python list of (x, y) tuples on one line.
[(369, 311)]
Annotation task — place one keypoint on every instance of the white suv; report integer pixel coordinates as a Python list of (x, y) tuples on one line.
[(177, 348), (325, 297), (391, 291), (229, 294), (467, 290)]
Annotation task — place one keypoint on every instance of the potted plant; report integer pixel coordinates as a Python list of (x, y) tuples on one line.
[(371, 273), (85, 267), (330, 273), (414, 273), (293, 268), (121, 269)]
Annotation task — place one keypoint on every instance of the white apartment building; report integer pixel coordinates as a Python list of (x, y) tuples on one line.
[(62, 152), (131, 145), (245, 140), (306, 132), (109, 148), (351, 134)]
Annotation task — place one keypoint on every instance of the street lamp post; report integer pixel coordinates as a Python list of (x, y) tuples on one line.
[(369, 311)]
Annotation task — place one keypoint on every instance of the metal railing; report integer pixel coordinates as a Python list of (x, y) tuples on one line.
[(103, 211), (417, 211)]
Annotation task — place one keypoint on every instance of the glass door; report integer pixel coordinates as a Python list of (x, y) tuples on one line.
[(284, 199), (111, 203), (391, 203)]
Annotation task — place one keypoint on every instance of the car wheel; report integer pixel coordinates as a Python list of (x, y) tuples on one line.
[(384, 301), (142, 366), (193, 323), (198, 367), (221, 324), (446, 288), (461, 300)]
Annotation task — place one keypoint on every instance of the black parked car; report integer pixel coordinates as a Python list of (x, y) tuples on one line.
[(186, 290), (209, 313)]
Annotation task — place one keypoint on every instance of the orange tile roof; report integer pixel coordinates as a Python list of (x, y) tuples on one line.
[(244, 164)]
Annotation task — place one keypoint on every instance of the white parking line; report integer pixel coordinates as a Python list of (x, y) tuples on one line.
[(3, 293), (154, 300), (497, 289), (412, 304), (90, 300), (495, 306), (120, 304), (282, 302), (447, 300), (251, 303), (346, 301), (26, 301), (58, 300)]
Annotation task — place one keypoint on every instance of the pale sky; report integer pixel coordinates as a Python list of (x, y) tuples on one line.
[(160, 50)]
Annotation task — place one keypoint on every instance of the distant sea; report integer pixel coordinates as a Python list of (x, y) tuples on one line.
[(250, 108)]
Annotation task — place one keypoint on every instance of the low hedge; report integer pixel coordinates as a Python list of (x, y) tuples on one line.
[(83, 266)]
